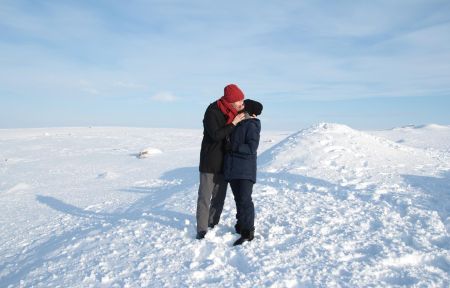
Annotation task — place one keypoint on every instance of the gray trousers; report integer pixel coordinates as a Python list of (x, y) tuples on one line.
[(211, 197)]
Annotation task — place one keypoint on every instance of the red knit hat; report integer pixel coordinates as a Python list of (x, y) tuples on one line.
[(232, 93)]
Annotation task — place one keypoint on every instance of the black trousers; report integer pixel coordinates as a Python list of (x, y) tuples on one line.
[(242, 191)]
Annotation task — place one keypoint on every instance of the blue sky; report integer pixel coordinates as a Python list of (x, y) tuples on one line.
[(366, 64)]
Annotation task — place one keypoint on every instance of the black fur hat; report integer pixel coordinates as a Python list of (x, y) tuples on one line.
[(253, 107)]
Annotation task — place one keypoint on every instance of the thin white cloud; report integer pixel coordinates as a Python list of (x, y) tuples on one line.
[(128, 84), (307, 49), (91, 91), (87, 87), (164, 97)]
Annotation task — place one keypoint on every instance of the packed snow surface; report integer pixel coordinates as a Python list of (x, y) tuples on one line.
[(334, 207)]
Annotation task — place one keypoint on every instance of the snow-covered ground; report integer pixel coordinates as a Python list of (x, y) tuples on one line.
[(334, 206)]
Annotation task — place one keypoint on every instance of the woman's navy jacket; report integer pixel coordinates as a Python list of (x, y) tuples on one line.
[(240, 161)]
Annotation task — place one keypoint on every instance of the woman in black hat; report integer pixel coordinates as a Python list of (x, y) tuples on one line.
[(240, 168)]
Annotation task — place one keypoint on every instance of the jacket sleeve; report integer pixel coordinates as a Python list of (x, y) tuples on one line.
[(213, 128), (251, 140)]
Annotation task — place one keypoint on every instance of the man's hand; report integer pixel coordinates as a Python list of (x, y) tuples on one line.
[(239, 117)]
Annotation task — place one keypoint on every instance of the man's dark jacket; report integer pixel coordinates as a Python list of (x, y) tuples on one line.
[(215, 130), (240, 162)]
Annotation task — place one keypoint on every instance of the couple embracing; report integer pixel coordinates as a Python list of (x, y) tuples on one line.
[(228, 155)]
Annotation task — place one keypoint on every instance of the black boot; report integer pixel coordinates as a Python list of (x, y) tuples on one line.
[(246, 235), (200, 235), (237, 228), (212, 224)]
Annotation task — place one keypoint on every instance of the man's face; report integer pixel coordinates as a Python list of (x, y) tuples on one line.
[(239, 105)]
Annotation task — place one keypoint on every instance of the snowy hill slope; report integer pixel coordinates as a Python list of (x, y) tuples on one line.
[(358, 190), (334, 207), (430, 136), (347, 156)]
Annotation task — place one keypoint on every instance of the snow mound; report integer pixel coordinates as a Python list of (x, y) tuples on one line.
[(18, 188), (148, 152), (424, 126), (431, 136), (337, 152), (108, 175)]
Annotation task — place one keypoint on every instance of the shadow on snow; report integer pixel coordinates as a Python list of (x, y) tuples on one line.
[(436, 193), (150, 207)]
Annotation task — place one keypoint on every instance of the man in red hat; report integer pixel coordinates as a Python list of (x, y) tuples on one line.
[(219, 121)]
